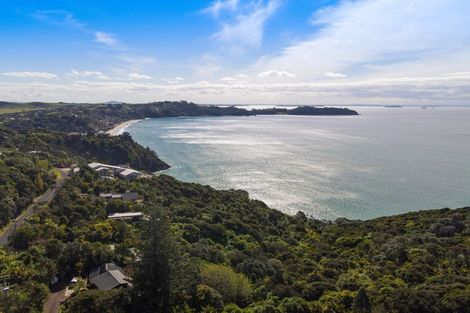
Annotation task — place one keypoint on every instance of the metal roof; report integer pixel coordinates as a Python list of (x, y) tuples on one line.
[(107, 276), (125, 215)]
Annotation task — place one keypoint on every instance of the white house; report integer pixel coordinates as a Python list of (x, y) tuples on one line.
[(126, 216), (130, 174), (107, 170)]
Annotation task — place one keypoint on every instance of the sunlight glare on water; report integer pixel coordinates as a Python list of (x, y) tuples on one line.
[(385, 161)]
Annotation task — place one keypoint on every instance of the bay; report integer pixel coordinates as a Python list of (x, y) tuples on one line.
[(383, 162)]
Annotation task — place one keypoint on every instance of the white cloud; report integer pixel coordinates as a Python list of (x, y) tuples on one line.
[(43, 75), (451, 88), (228, 79), (106, 39), (246, 28), (137, 76), (208, 69), (221, 5), (401, 51), (335, 75), (87, 74), (58, 17), (175, 80), (207, 66), (368, 38), (136, 63), (274, 73), (203, 83), (131, 59)]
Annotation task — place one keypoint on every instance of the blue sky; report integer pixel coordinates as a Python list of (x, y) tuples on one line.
[(236, 51)]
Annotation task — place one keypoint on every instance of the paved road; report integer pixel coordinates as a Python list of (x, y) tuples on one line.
[(44, 198)]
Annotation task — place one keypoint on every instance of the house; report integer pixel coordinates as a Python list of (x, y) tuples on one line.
[(126, 216), (130, 174), (111, 170), (128, 196), (106, 195), (110, 195), (104, 171), (94, 165), (115, 170), (108, 276)]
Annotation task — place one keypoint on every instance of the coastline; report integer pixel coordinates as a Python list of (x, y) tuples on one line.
[(121, 127)]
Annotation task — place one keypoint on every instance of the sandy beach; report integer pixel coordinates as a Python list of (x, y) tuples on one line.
[(121, 128)]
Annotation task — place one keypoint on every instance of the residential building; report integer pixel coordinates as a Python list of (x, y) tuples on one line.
[(126, 216), (108, 276)]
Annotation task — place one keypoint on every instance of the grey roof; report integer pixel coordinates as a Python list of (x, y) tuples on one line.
[(130, 196), (107, 276), (125, 196)]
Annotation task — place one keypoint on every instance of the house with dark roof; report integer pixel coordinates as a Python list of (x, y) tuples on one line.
[(130, 196), (104, 171), (108, 276)]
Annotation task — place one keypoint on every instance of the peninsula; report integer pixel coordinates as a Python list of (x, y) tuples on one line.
[(81, 118)]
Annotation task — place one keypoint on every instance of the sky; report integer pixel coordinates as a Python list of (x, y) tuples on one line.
[(236, 51)]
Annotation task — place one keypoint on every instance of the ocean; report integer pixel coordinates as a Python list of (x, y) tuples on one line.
[(385, 161)]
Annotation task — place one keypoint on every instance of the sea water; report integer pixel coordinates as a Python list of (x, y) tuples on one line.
[(383, 162)]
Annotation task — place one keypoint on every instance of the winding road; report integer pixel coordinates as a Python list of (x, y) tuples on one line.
[(44, 198)]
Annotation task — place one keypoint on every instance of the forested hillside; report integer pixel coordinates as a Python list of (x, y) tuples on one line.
[(22, 178), (29, 162), (82, 118), (219, 251), (64, 149)]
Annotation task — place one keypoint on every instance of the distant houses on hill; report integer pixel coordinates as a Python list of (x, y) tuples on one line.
[(106, 170)]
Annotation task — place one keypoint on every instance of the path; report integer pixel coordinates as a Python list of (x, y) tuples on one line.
[(44, 198), (53, 301)]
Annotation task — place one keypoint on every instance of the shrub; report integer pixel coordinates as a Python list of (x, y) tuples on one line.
[(234, 287)]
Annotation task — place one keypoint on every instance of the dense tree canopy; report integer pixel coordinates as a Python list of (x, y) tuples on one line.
[(204, 250), (22, 178)]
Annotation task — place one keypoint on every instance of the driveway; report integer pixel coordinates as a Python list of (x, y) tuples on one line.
[(53, 301)]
